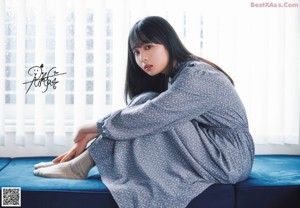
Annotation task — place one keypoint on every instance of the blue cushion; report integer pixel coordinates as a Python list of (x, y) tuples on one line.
[(4, 162), (273, 182), (49, 192)]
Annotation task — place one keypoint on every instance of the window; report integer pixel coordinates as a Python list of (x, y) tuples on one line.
[(48, 41), (85, 42)]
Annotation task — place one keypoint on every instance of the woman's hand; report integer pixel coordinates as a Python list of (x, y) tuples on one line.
[(83, 136), (76, 150)]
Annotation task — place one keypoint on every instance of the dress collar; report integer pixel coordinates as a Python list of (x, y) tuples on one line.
[(178, 69)]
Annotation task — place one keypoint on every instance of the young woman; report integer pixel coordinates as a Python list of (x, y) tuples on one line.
[(168, 145)]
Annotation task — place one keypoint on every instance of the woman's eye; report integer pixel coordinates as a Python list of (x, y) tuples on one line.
[(147, 47), (135, 53)]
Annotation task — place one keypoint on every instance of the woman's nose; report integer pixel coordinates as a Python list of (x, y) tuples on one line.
[(143, 57)]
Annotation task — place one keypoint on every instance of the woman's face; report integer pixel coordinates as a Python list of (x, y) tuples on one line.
[(152, 58)]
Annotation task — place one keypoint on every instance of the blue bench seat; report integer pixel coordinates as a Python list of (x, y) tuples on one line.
[(274, 182), (4, 162), (55, 193)]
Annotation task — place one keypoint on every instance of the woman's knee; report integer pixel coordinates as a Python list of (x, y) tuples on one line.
[(142, 98)]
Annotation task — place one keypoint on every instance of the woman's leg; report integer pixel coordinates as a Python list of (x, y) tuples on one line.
[(79, 167)]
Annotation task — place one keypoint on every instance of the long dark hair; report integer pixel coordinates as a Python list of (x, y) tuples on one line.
[(154, 29)]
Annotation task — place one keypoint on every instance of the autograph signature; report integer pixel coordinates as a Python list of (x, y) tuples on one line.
[(41, 78)]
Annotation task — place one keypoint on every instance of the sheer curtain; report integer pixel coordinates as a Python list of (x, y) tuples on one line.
[(72, 39), (85, 41), (259, 47)]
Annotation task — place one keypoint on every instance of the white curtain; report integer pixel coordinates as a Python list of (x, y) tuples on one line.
[(259, 47), (2, 73), (87, 39)]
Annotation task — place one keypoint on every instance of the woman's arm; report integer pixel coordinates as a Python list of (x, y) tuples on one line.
[(194, 92), (86, 132)]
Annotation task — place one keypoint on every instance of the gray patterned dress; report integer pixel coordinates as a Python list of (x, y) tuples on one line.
[(167, 150)]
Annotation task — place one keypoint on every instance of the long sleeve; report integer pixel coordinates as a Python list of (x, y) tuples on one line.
[(194, 92)]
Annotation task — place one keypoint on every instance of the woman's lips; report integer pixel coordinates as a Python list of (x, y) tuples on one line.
[(148, 67)]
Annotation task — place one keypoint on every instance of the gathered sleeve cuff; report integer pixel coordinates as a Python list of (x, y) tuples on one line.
[(101, 123)]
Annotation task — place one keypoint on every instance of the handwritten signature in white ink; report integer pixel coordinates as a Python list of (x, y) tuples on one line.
[(41, 78)]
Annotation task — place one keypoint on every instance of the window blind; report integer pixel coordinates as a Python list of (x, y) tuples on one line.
[(86, 40)]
